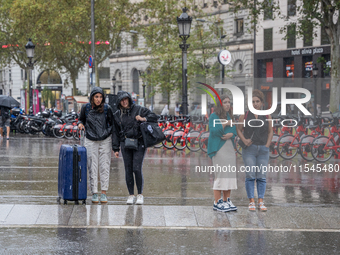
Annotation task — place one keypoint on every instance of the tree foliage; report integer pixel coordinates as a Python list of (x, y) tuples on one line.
[(162, 45), (61, 31)]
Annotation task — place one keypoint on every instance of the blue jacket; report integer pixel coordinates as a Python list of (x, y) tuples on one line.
[(215, 142)]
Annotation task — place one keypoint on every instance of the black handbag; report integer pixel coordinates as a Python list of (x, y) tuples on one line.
[(152, 134), (131, 143)]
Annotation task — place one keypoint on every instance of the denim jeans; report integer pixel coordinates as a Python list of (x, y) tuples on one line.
[(254, 157)]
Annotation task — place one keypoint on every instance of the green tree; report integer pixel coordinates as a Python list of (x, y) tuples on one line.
[(161, 40), (324, 13), (162, 45), (61, 31)]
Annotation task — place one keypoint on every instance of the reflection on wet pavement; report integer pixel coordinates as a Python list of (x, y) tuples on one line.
[(155, 241), (177, 217), (29, 168)]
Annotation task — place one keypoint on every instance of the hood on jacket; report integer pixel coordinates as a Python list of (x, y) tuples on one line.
[(121, 95), (96, 90)]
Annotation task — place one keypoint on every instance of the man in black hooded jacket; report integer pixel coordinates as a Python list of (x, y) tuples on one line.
[(127, 125)]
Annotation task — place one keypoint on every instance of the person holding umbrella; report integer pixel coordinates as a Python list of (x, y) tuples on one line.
[(6, 104), (4, 121)]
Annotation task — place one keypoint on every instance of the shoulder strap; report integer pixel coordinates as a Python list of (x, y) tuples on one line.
[(140, 110), (245, 117), (105, 110), (87, 109)]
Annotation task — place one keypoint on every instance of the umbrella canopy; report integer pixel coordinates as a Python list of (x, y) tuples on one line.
[(8, 101)]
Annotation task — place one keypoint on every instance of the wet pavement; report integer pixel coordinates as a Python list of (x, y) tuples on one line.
[(177, 218)]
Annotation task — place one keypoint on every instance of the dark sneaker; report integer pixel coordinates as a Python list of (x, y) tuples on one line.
[(95, 199), (221, 207), (103, 198), (231, 205)]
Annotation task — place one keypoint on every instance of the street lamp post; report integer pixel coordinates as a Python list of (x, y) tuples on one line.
[(184, 25), (30, 54), (141, 74), (39, 95), (114, 84), (220, 36), (93, 52), (315, 75)]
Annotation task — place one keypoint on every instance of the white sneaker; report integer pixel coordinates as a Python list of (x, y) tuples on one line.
[(130, 200), (140, 199)]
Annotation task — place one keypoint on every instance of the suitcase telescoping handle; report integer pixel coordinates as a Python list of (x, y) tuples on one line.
[(82, 137)]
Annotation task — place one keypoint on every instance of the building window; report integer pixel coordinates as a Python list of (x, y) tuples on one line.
[(291, 8), (215, 4), (268, 39), (135, 81), (291, 36), (326, 66), (238, 66), (118, 43), (308, 66), (289, 68), (225, 2), (266, 69), (219, 29), (134, 41), (268, 10), (205, 5), (324, 36), (308, 34), (104, 72), (239, 26), (9, 75), (49, 77), (22, 74)]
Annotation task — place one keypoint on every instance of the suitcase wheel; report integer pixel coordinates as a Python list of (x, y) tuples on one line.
[(65, 202), (84, 202), (76, 202)]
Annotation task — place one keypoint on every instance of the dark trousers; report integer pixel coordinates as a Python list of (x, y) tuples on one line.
[(133, 162)]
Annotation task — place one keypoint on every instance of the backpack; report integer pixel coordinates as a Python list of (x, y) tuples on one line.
[(5, 112)]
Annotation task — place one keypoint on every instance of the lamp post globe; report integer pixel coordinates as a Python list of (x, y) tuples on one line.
[(30, 54), (30, 49), (184, 25)]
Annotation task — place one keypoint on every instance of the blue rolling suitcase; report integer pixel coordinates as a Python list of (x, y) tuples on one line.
[(72, 174)]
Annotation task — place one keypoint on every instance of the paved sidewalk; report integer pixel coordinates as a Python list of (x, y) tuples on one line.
[(187, 217)]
